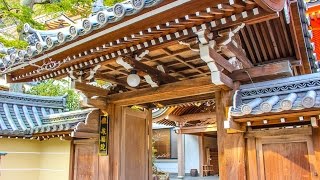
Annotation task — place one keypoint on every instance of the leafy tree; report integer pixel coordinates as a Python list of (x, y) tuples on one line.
[(19, 12), (57, 88)]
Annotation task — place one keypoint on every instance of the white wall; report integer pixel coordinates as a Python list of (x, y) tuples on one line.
[(191, 146), (191, 153), (167, 165)]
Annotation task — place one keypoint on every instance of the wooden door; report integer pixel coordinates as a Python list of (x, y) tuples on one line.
[(289, 158), (135, 140), (85, 160)]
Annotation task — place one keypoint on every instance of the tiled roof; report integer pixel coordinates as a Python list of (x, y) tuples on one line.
[(22, 114), (45, 40), (293, 93)]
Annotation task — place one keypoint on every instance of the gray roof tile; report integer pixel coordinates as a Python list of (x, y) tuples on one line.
[(22, 114), (293, 93)]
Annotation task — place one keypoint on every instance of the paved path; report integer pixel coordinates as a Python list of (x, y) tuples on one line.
[(197, 178)]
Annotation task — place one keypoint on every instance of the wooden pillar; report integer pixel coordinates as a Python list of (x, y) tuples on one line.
[(231, 147), (201, 154), (316, 147), (114, 139), (251, 161), (181, 160), (149, 138)]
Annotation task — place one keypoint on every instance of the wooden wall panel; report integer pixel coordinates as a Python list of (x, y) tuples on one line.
[(86, 160), (231, 147), (134, 145), (316, 147), (251, 159), (288, 156), (103, 167), (284, 161)]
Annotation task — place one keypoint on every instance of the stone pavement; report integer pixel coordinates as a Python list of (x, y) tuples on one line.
[(196, 178)]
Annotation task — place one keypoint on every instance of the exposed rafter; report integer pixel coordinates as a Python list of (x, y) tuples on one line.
[(90, 90), (153, 72), (232, 51), (123, 46), (112, 79)]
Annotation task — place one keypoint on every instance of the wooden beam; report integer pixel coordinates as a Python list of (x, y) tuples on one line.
[(186, 88), (264, 72), (237, 52), (233, 127), (198, 129), (90, 90), (288, 115), (84, 135), (279, 132), (153, 72), (98, 102), (112, 79), (221, 60)]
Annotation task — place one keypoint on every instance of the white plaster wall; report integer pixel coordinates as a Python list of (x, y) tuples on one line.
[(170, 165), (191, 153), (191, 157)]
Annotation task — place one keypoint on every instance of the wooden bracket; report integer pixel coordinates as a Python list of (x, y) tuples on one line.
[(233, 127), (97, 102), (314, 122), (217, 77), (90, 90)]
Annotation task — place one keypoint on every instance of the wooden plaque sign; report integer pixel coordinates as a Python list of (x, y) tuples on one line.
[(104, 135)]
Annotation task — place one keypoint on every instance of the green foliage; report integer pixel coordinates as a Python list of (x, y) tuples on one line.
[(111, 2), (24, 11), (17, 14), (57, 88), (70, 7), (13, 43)]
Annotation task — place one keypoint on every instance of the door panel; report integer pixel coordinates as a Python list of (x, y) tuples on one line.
[(134, 145), (86, 161), (286, 161), (289, 157)]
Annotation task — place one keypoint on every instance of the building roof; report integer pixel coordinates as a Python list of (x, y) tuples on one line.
[(24, 115), (45, 40), (282, 95), (160, 115), (138, 26)]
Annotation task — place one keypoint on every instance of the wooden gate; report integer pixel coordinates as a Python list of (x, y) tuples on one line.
[(135, 138), (85, 160), (285, 157)]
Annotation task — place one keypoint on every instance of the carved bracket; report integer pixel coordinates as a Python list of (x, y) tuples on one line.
[(82, 75), (152, 75), (215, 61)]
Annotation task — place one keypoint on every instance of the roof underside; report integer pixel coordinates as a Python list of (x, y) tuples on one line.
[(267, 37), (186, 109), (263, 41)]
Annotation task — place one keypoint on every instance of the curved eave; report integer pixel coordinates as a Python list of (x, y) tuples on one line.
[(89, 49), (95, 37)]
